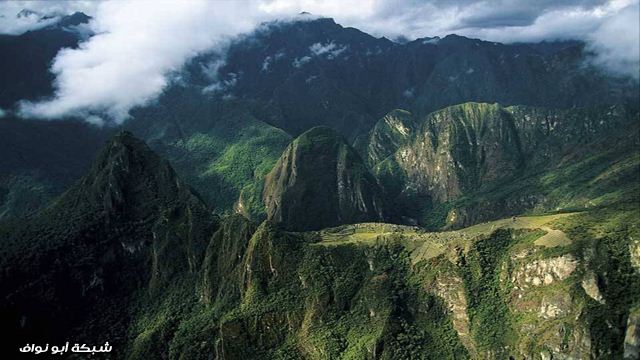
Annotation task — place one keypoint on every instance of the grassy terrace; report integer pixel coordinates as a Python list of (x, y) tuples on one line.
[(425, 245)]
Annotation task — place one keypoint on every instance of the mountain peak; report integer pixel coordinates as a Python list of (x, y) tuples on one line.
[(320, 181), (127, 176), (26, 13), (74, 19)]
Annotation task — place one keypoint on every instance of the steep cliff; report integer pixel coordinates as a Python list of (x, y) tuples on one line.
[(474, 162), (320, 181)]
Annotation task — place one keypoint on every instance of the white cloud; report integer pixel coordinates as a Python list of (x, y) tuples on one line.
[(330, 49), (433, 41), (616, 44), (269, 60), (138, 43), (298, 62), (95, 120), (17, 17), (222, 85), (266, 63), (211, 70)]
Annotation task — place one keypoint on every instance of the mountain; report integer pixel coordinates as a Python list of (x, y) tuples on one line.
[(128, 226), (301, 74), (289, 76), (321, 181), (293, 76), (130, 255), (220, 149), (387, 135), (475, 162)]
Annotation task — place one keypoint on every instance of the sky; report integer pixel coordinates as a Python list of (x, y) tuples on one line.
[(140, 43)]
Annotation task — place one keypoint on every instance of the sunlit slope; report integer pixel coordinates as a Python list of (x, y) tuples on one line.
[(424, 245)]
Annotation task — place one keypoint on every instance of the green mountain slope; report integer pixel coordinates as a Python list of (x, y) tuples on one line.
[(382, 291), (320, 181), (131, 256), (73, 270), (224, 153)]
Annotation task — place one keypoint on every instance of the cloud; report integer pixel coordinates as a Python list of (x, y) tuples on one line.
[(299, 62), (140, 44), (17, 17), (330, 49), (266, 63), (211, 69), (615, 42), (136, 46)]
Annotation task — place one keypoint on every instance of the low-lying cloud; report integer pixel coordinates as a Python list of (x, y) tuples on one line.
[(17, 17), (140, 43), (137, 44), (615, 42)]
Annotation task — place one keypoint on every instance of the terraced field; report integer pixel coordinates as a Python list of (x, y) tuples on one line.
[(425, 245)]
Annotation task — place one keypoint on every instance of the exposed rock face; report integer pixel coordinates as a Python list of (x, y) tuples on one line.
[(544, 271), (632, 336), (486, 160), (551, 311), (450, 288), (459, 149), (590, 286), (634, 252), (320, 181), (389, 133), (555, 306), (222, 264)]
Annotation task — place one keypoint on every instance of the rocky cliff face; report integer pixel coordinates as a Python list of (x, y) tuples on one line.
[(320, 181), (390, 133), (474, 162), (460, 149)]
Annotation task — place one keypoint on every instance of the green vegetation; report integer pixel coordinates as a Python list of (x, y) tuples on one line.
[(320, 181), (605, 237), (227, 164), (173, 280), (488, 311), (474, 162), (245, 266)]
